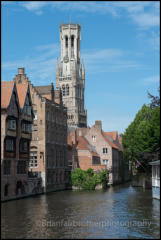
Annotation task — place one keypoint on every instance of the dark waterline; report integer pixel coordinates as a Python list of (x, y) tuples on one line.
[(119, 212)]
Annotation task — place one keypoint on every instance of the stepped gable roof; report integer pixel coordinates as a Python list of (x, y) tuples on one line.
[(113, 135), (108, 140), (6, 93), (22, 91), (43, 89)]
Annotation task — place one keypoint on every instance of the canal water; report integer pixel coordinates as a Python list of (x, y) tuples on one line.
[(121, 212)]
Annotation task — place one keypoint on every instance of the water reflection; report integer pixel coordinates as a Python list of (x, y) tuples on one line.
[(120, 212)]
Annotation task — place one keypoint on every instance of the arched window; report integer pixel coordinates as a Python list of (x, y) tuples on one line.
[(63, 90), (66, 41), (67, 90)]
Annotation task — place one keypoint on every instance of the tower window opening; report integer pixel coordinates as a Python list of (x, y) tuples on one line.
[(66, 41), (72, 41), (67, 90), (63, 90)]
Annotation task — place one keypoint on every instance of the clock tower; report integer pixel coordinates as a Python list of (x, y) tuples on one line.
[(70, 75)]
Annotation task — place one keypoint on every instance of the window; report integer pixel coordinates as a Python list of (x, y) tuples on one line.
[(33, 159), (96, 160), (66, 41), (63, 90), (105, 150), (24, 146), (67, 90), (35, 114), (70, 164), (21, 167), (94, 138), (105, 161), (26, 127), (12, 124), (72, 41), (9, 146), (7, 167), (27, 110)]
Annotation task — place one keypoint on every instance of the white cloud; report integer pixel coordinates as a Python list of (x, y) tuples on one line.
[(151, 80), (143, 13), (146, 20)]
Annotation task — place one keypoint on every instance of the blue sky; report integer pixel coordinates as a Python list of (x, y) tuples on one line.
[(120, 48)]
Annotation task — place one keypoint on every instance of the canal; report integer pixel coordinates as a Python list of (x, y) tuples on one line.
[(121, 212)]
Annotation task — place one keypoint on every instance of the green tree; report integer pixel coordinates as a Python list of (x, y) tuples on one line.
[(88, 179), (142, 136)]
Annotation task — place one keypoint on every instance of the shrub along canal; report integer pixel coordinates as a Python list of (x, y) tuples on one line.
[(119, 212)]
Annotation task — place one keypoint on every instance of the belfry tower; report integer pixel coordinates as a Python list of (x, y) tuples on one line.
[(70, 75)]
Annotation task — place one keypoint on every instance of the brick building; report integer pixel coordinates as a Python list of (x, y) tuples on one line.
[(49, 137), (16, 121), (96, 149), (82, 154)]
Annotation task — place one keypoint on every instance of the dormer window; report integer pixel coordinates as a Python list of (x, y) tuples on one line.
[(27, 110), (26, 127), (12, 124)]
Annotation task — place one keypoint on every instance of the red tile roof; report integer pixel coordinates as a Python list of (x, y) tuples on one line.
[(21, 91), (6, 93), (83, 144), (94, 154), (108, 140), (113, 135)]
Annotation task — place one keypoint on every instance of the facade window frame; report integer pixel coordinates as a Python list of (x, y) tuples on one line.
[(10, 145), (21, 167), (6, 167), (105, 150)]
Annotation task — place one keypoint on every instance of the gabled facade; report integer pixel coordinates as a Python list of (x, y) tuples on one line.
[(15, 143), (83, 155), (104, 145), (49, 137)]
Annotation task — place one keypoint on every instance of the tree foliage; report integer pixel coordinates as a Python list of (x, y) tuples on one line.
[(88, 179), (142, 136)]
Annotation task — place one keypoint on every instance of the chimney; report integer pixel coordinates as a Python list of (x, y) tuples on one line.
[(98, 124), (21, 71)]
